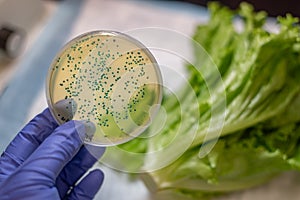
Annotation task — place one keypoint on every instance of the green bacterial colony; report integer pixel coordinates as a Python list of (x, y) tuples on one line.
[(113, 80)]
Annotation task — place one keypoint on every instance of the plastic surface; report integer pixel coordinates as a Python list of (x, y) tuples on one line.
[(110, 79)]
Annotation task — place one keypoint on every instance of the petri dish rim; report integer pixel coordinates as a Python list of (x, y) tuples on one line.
[(112, 33)]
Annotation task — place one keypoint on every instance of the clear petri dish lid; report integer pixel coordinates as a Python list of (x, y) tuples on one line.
[(107, 78)]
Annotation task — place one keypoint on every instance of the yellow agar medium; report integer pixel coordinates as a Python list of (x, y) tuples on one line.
[(109, 79)]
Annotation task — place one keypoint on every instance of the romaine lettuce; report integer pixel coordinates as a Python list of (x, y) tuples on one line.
[(260, 136)]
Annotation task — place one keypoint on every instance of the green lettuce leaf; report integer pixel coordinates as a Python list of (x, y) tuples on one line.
[(257, 81)]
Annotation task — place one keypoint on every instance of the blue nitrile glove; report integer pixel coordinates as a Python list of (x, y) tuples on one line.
[(44, 161)]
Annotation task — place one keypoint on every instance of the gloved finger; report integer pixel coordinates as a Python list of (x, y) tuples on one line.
[(72, 172), (88, 187), (56, 151), (29, 138), (65, 109)]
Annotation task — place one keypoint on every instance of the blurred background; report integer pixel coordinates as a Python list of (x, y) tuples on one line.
[(274, 8), (33, 31)]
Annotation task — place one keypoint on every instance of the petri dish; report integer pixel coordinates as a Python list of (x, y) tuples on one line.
[(107, 78)]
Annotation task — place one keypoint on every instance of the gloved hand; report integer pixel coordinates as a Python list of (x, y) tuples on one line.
[(44, 161)]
